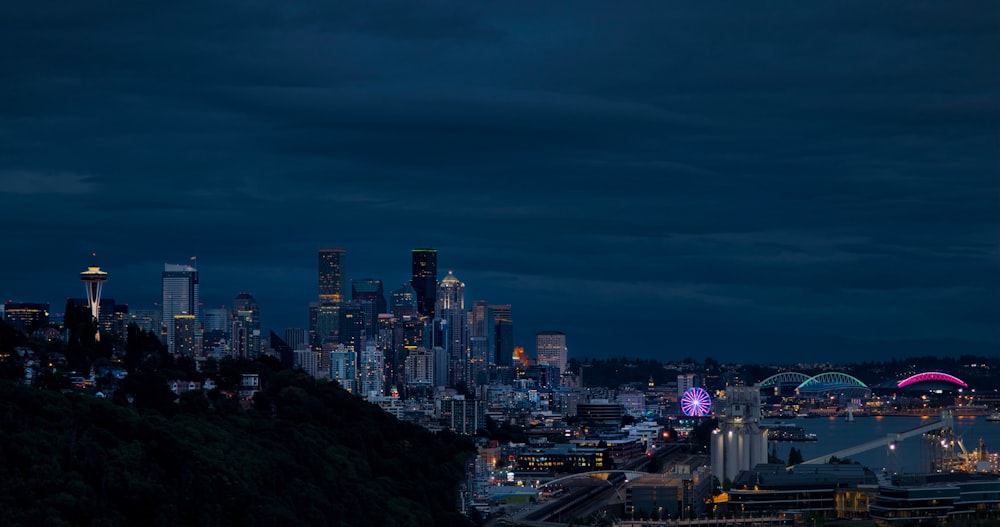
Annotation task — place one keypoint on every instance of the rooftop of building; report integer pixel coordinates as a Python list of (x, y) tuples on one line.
[(778, 476)]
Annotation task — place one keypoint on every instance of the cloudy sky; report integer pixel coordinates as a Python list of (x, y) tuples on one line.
[(770, 181)]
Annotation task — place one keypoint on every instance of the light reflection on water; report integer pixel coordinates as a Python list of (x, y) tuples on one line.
[(837, 433)]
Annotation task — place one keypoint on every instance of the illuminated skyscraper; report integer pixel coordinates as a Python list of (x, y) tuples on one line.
[(551, 349), (180, 297), (424, 280), (184, 327), (453, 323), (26, 316), (370, 371), (331, 275), (246, 327), (94, 279), (343, 368), (403, 301)]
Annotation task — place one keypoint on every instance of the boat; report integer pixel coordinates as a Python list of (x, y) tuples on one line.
[(995, 416), (787, 432)]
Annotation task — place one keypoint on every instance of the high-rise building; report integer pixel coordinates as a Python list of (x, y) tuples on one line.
[(180, 297), (26, 316), (94, 279), (343, 368), (481, 341), (331, 274), (424, 280), (551, 349), (184, 329), (295, 337), (685, 382), (216, 319), (327, 324), (452, 322), (419, 369), (368, 294), (403, 302), (352, 327), (148, 320), (246, 327), (370, 370), (503, 334), (284, 351)]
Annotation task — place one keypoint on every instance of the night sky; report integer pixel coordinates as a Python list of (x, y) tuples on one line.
[(774, 181)]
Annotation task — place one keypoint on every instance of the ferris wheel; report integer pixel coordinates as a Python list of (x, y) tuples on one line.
[(695, 402)]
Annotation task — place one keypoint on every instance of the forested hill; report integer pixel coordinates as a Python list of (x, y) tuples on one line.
[(315, 456)]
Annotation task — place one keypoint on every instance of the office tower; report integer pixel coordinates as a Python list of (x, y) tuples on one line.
[(148, 320), (246, 327), (327, 324), (441, 366), (216, 319), (452, 323), (26, 316), (184, 327), (403, 302), (352, 327), (308, 360), (180, 297), (331, 274), (481, 341), (503, 334), (367, 293), (94, 278), (295, 337), (551, 349), (343, 368), (285, 351), (424, 280), (117, 322), (370, 371), (389, 339), (313, 318)]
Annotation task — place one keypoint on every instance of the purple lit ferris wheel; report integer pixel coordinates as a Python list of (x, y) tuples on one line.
[(696, 402)]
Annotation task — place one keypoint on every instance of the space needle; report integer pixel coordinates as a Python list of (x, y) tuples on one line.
[(94, 279)]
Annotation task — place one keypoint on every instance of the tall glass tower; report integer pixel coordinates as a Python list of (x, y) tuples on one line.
[(180, 298), (331, 274), (246, 327), (331, 294), (424, 280)]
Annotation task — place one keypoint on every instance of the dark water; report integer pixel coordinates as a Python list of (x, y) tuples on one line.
[(837, 433)]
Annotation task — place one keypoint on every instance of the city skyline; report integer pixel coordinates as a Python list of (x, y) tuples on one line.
[(654, 180)]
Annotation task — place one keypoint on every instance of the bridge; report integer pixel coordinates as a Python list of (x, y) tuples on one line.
[(947, 420)]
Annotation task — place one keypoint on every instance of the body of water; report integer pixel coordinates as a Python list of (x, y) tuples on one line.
[(837, 433)]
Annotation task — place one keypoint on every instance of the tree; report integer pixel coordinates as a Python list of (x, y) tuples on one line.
[(794, 456)]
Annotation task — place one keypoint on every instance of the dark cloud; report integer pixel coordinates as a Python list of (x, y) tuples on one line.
[(654, 179)]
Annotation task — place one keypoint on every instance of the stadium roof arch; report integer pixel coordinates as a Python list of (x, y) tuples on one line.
[(833, 383), (785, 377), (934, 376)]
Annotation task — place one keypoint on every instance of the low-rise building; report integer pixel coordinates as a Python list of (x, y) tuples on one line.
[(950, 498)]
